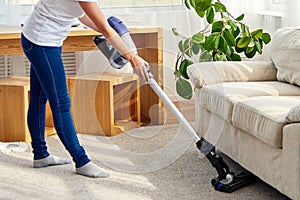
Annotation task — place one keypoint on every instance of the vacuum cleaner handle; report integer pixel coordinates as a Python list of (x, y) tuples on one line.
[(167, 101), (116, 60)]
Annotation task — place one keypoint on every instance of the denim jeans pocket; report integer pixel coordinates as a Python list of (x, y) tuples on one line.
[(26, 44)]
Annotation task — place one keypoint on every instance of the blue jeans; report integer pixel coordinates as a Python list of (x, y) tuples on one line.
[(48, 82)]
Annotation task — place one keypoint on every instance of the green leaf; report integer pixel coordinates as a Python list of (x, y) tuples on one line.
[(189, 53), (200, 13), (257, 33), (210, 14), (205, 57), (192, 3), (236, 57), (186, 43), (232, 24), (250, 54), (245, 30), (187, 4), (220, 57), (198, 38), (196, 48), (202, 5), (251, 43), (261, 42), (240, 18), (181, 46), (243, 27), (234, 27), (243, 42), (237, 49), (212, 41), (187, 47), (184, 88), (266, 38), (231, 50), (258, 46), (183, 66), (217, 26), (236, 32), (249, 49), (223, 46), (229, 37), (219, 7), (175, 32)]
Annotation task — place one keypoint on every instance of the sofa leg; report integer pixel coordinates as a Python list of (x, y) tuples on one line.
[(226, 181)]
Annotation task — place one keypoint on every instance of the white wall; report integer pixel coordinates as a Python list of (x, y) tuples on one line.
[(12, 14)]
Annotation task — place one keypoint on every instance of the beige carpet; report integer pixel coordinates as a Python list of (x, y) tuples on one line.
[(159, 162), (6, 147)]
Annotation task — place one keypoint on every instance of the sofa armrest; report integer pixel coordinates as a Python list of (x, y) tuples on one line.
[(291, 160), (205, 73)]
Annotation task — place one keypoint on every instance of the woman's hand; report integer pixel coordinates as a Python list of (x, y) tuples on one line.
[(139, 67)]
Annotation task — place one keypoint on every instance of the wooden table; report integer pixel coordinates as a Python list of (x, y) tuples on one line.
[(148, 41)]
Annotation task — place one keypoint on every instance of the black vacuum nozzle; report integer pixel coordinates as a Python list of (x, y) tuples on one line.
[(233, 183)]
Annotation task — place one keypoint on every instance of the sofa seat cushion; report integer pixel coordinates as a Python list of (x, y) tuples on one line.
[(264, 117), (220, 98)]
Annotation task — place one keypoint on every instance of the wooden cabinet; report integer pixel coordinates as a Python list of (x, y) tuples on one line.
[(14, 101)]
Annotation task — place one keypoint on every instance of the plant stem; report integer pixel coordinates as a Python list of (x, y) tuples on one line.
[(205, 29), (222, 16)]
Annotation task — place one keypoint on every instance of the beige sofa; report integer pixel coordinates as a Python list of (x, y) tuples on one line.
[(251, 111)]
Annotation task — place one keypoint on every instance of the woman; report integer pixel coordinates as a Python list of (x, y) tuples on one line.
[(42, 37)]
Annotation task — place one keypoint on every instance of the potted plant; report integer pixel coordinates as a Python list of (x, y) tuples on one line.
[(224, 38)]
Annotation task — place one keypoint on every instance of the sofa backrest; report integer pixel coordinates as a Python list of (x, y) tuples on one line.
[(285, 54)]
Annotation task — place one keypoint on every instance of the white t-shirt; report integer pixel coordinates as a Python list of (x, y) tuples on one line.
[(51, 20)]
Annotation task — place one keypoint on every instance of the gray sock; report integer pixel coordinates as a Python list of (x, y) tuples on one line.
[(92, 170), (50, 161)]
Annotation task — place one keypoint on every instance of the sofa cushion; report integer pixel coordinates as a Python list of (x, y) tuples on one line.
[(264, 117), (284, 53), (294, 114), (220, 98)]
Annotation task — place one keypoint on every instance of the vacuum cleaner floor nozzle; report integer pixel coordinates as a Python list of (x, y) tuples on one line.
[(238, 181)]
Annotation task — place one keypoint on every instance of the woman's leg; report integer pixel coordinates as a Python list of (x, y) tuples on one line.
[(36, 125), (49, 82), (36, 117), (47, 64), (48, 67)]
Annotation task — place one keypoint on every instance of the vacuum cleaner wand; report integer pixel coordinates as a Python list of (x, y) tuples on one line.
[(226, 180)]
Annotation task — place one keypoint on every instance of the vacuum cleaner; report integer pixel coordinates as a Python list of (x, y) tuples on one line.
[(226, 181)]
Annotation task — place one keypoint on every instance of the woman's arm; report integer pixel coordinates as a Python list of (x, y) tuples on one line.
[(88, 22), (96, 20)]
